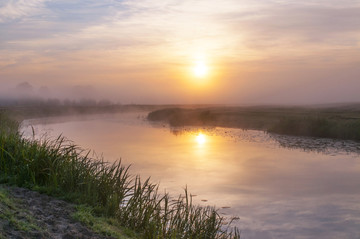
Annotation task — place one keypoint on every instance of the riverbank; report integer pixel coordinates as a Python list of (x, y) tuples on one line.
[(64, 170), (29, 214), (339, 122)]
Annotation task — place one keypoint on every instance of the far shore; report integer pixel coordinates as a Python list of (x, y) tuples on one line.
[(337, 121)]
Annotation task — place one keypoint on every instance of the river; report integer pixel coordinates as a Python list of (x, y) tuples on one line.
[(278, 186)]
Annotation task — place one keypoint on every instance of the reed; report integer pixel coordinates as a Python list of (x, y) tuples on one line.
[(60, 168)]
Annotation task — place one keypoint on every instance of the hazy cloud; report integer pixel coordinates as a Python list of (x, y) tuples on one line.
[(244, 42), (306, 25), (16, 9)]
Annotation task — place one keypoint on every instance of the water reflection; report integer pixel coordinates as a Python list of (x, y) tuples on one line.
[(200, 138), (307, 144)]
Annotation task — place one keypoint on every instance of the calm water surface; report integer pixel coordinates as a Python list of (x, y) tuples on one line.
[(279, 187)]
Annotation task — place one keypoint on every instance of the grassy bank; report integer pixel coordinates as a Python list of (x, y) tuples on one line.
[(326, 122), (29, 214), (14, 216), (64, 170)]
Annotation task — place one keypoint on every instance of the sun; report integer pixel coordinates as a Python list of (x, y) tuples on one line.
[(200, 69)]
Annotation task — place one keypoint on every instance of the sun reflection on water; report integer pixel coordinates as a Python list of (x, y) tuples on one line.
[(201, 138)]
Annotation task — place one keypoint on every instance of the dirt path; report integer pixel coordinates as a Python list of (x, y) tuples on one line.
[(28, 214)]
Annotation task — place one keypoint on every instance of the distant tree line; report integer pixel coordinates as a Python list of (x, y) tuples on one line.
[(35, 101)]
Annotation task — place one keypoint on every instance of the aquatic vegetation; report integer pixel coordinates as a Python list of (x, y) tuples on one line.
[(61, 168)]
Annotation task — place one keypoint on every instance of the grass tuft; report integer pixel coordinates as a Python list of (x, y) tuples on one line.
[(102, 225)]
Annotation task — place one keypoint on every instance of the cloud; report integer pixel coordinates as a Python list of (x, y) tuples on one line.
[(15, 9), (187, 27), (284, 26), (122, 42)]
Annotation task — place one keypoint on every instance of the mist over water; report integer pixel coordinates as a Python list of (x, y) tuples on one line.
[(307, 188)]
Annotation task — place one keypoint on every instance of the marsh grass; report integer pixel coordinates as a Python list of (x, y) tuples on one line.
[(60, 168), (338, 123), (318, 126)]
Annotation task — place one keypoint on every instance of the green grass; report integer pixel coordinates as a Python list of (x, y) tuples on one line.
[(62, 169), (102, 225)]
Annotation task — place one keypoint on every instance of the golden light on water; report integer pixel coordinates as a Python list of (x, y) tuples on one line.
[(200, 138)]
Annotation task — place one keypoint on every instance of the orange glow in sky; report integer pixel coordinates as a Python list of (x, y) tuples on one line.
[(201, 69), (236, 52)]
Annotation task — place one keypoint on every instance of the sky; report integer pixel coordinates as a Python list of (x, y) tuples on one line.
[(172, 51)]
